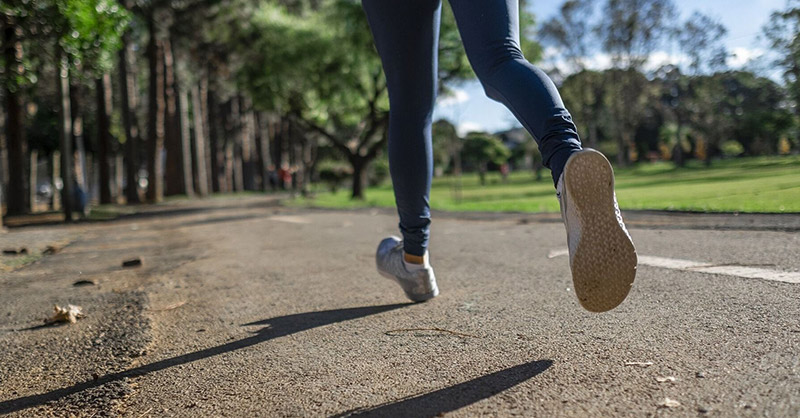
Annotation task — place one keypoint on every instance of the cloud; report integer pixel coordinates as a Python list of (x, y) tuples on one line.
[(464, 128), (659, 59), (742, 56), (455, 97), (599, 61)]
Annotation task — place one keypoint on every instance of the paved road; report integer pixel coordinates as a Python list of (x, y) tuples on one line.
[(243, 308)]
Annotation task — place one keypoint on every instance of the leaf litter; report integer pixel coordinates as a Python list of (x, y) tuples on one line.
[(639, 363), (669, 403), (395, 332), (70, 313)]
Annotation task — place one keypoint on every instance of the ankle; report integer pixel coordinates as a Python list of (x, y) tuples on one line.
[(413, 259)]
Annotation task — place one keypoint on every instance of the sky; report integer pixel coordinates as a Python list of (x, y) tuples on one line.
[(470, 110)]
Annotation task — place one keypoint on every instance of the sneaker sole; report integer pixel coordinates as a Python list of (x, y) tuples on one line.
[(604, 263), (413, 297)]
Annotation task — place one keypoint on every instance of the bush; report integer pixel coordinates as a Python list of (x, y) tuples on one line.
[(378, 172), (333, 175), (731, 148)]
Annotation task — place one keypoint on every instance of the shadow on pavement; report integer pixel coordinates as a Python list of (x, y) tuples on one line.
[(277, 327), (454, 397), (221, 219), (139, 212)]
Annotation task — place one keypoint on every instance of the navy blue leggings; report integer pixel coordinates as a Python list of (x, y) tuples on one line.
[(406, 35)]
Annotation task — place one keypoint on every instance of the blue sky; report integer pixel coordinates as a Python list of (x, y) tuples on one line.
[(469, 109)]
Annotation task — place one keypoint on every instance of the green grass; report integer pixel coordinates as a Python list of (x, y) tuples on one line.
[(757, 184), (13, 262), (109, 212)]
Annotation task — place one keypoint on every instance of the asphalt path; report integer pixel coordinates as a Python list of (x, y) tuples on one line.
[(244, 308)]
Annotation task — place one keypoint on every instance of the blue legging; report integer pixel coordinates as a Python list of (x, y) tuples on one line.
[(406, 35)]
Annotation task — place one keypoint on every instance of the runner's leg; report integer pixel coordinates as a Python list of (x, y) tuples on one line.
[(490, 31), (406, 35)]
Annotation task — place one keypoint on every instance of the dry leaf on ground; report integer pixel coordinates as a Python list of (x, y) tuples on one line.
[(69, 313), (639, 363), (669, 403)]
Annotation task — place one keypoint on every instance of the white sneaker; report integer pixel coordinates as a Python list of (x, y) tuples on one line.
[(601, 253), (419, 284)]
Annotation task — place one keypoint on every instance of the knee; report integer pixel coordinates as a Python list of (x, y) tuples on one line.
[(412, 98), (493, 56), (492, 60)]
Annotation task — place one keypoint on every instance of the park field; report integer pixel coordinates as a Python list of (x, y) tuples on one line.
[(758, 184)]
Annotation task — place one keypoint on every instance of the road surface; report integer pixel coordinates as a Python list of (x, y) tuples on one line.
[(245, 308)]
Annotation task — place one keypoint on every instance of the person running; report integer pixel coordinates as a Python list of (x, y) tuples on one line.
[(602, 256)]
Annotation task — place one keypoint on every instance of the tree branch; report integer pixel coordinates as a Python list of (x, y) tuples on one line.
[(377, 146), (337, 143)]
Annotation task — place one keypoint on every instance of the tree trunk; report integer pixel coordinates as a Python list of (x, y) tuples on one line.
[(457, 172), (173, 182), (359, 177), (677, 150), (230, 157), (65, 135), (272, 163), (620, 115), (118, 178), (128, 99), (300, 172), (593, 132), (103, 90), (237, 133), (204, 120), (76, 108), (3, 142), (155, 131), (309, 164), (285, 156), (623, 141), (214, 143), (201, 178), (286, 151), (248, 144), (620, 150), (262, 149), (55, 177), (33, 179), (293, 157), (186, 140), (17, 147)]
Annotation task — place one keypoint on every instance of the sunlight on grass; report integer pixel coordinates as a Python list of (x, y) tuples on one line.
[(760, 184), (10, 263)]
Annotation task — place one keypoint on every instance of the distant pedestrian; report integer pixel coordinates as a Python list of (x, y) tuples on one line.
[(602, 256), (285, 175)]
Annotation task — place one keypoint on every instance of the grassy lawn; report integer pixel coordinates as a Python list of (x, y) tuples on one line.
[(758, 184), (12, 262)]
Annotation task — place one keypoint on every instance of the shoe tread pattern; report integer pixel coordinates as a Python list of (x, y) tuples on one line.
[(604, 263)]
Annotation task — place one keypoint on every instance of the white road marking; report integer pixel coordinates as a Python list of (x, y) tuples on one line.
[(730, 270), (670, 263), (558, 253), (710, 268), (289, 219)]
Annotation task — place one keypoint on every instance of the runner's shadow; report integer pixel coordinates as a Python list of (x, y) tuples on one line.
[(454, 397), (277, 327)]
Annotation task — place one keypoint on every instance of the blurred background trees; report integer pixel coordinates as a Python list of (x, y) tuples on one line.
[(124, 101)]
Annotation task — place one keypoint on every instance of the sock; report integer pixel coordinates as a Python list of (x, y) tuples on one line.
[(416, 266)]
